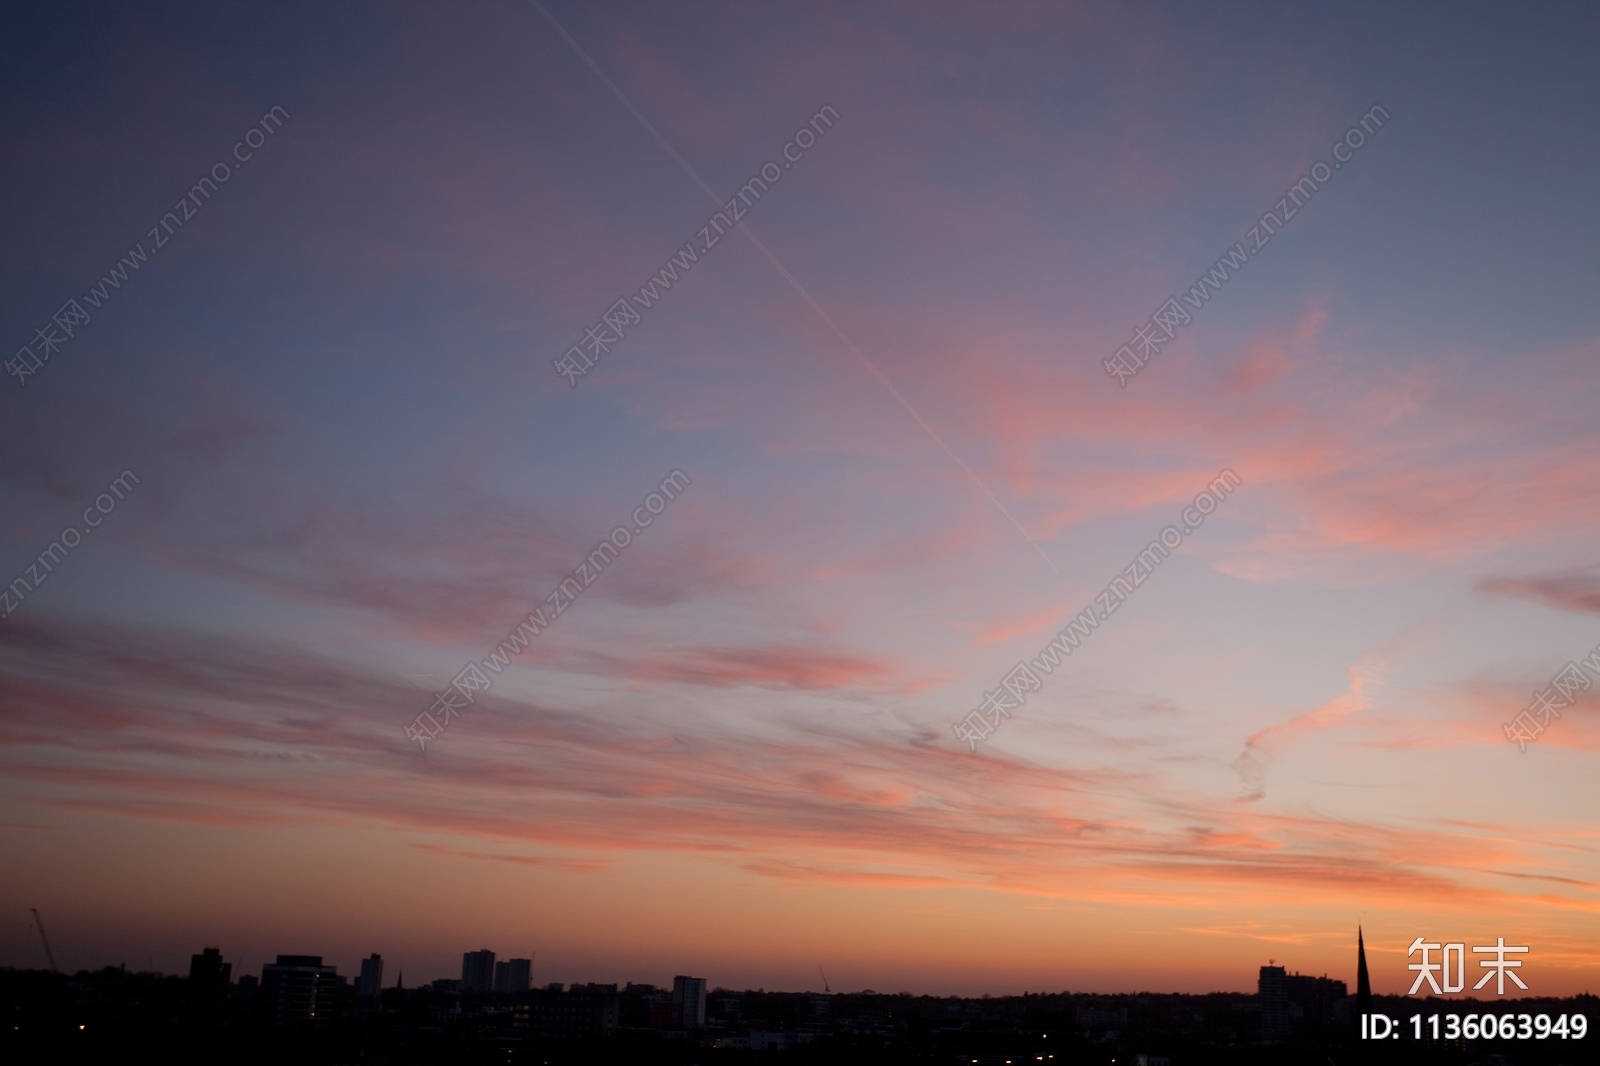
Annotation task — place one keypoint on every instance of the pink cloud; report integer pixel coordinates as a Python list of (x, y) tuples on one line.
[(1263, 747), (251, 734), (771, 667), (1025, 625)]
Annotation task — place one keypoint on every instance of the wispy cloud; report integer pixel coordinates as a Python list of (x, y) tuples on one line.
[(1264, 747), (187, 728), (1572, 590), (565, 865)]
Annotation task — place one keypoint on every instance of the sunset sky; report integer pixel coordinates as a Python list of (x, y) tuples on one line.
[(732, 755)]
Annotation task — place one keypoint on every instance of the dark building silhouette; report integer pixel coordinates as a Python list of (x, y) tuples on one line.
[(298, 988), (1272, 990), (1312, 999), (1292, 1002), (1363, 983), (477, 971), (1097, 1018), (207, 969), (644, 1006), (370, 983), (585, 1012), (512, 975), (209, 977)]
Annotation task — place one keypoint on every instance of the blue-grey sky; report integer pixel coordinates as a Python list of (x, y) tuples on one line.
[(737, 745)]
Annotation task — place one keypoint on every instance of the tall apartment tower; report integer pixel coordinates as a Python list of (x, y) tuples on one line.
[(208, 970), (512, 975), (298, 988), (370, 983), (1272, 990), (689, 1001), (477, 971), (208, 980)]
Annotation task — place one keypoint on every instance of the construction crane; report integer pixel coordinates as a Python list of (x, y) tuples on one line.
[(38, 921), (825, 987)]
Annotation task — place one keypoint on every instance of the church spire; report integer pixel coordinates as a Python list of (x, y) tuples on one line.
[(1363, 982)]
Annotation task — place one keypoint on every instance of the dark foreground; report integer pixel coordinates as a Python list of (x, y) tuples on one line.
[(113, 1016)]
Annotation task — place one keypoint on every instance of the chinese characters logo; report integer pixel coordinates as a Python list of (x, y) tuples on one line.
[(1498, 967)]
